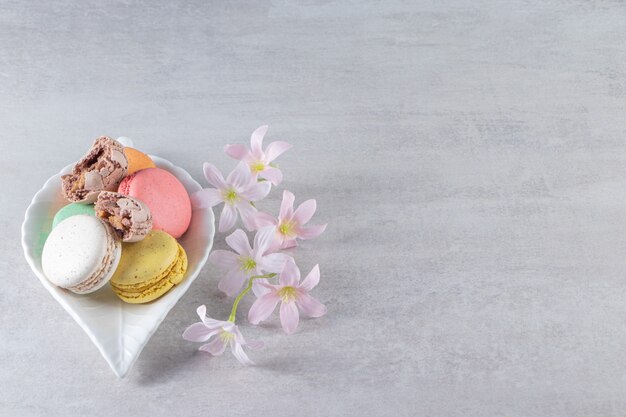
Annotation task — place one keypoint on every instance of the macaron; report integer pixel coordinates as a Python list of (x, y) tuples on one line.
[(102, 168), (137, 160), (166, 197), (80, 254), (149, 268), (130, 218), (70, 210)]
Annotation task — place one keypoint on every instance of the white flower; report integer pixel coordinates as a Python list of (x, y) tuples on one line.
[(259, 161), (224, 333), (236, 192), (247, 261)]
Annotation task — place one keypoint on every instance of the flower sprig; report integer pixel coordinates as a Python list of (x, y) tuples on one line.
[(253, 266)]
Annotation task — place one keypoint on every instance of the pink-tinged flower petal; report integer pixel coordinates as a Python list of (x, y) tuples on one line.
[(262, 308), (263, 239), (275, 246), (223, 259), (256, 140), (232, 282), (198, 332), (229, 326), (256, 191), (288, 243), (290, 275), (311, 280), (259, 287), (286, 206), (246, 212), (240, 177), (310, 306), (213, 175), (227, 218), (208, 321), (273, 175), (255, 344), (238, 240), (261, 219), (275, 262), (257, 270), (289, 317), (240, 354), (305, 211), (265, 283), (275, 149), (215, 348), (310, 232), (238, 336), (262, 286), (236, 151), (201, 311), (212, 323), (205, 198)]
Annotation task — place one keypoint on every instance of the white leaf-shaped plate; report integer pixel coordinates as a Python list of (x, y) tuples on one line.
[(119, 330)]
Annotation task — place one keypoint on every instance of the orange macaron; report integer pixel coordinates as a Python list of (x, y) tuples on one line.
[(137, 160)]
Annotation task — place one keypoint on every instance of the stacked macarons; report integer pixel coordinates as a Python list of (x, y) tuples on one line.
[(149, 268), (120, 226)]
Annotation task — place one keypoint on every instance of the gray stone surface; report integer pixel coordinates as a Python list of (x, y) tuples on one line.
[(469, 157)]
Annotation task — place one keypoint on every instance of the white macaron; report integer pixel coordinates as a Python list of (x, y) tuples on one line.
[(81, 254)]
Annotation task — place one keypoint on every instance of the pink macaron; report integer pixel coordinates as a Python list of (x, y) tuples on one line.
[(164, 195)]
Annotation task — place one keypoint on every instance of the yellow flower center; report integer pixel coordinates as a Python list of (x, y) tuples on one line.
[(287, 229), (247, 264), (226, 336), (257, 167), (230, 196), (287, 294)]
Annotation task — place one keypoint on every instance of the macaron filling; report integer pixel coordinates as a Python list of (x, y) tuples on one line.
[(129, 217), (152, 289), (102, 168), (81, 254), (171, 273), (150, 268), (102, 274)]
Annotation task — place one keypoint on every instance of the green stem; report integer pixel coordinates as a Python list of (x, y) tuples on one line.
[(233, 312)]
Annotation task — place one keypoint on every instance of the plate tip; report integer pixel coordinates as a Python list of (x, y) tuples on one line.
[(120, 373)]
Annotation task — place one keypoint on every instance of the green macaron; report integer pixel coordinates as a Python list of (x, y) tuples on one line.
[(72, 210)]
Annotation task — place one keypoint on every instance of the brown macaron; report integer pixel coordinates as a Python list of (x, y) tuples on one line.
[(129, 217), (102, 168)]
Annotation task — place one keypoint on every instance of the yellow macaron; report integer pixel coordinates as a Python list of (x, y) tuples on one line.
[(137, 160), (149, 268)]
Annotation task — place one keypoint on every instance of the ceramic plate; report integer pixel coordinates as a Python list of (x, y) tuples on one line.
[(119, 330)]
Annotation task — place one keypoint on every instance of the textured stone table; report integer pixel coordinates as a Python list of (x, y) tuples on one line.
[(469, 156)]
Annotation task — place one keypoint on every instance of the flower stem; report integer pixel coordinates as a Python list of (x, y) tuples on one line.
[(233, 312)]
